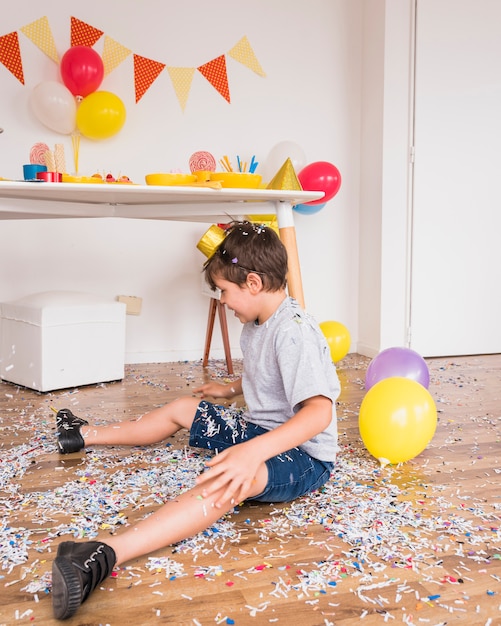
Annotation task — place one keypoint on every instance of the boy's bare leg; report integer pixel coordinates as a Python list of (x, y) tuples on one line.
[(80, 567), (187, 515), (150, 428)]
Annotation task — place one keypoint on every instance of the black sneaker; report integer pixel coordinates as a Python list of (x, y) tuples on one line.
[(68, 427), (76, 571)]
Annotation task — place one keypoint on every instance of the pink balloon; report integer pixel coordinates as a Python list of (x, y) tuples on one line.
[(320, 176), (82, 70)]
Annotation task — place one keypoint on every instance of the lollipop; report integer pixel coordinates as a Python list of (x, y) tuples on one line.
[(37, 153), (202, 161)]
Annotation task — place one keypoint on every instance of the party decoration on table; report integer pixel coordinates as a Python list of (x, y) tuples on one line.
[(237, 180), (279, 154), (320, 176), (37, 153), (338, 339), (109, 178), (82, 70), (100, 115), (202, 161), (145, 70), (54, 106), (397, 361), (397, 419), (285, 178), (210, 240)]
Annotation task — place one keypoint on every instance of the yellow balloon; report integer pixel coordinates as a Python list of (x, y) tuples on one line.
[(100, 115), (338, 338), (397, 419)]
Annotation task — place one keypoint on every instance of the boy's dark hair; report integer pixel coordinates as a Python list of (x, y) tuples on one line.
[(249, 247)]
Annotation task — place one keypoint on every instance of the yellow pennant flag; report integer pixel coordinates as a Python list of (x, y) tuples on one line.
[(113, 54), (243, 53), (181, 78), (40, 34)]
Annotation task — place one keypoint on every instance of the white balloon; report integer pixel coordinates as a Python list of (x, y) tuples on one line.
[(55, 106), (279, 154)]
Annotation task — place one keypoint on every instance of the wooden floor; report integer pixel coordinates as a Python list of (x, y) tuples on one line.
[(417, 543)]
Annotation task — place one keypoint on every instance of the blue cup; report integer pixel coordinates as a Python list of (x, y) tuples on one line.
[(31, 170)]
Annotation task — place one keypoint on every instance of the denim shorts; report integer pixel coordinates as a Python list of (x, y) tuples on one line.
[(290, 474)]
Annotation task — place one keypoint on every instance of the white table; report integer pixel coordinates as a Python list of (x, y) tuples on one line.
[(33, 200)]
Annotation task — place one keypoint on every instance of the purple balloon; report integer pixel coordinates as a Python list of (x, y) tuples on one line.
[(402, 362)]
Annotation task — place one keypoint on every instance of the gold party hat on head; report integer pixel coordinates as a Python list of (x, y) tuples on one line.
[(209, 243), (285, 178)]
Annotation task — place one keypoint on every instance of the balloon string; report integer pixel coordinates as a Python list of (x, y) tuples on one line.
[(75, 142)]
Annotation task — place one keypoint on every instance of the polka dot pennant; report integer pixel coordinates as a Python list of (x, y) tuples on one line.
[(39, 32), (243, 53), (83, 34), (10, 55), (146, 72), (215, 72), (181, 78)]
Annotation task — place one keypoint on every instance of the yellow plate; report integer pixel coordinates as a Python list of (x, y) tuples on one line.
[(82, 179), (237, 180), (170, 179)]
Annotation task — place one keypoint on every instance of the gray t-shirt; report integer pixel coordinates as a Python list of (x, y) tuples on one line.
[(286, 361)]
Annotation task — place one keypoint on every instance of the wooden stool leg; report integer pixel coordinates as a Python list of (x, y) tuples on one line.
[(224, 332), (210, 328)]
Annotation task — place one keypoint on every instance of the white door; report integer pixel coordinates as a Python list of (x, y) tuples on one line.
[(455, 305)]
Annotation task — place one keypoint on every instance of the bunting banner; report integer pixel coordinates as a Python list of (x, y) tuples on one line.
[(10, 55), (145, 70), (113, 54), (243, 53), (215, 72), (181, 78), (40, 33), (83, 34)]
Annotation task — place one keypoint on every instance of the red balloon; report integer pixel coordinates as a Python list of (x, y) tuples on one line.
[(320, 176), (82, 70)]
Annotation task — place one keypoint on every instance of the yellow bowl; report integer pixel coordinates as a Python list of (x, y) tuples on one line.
[(170, 179), (238, 180)]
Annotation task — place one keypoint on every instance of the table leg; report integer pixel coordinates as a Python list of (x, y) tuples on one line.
[(287, 232)]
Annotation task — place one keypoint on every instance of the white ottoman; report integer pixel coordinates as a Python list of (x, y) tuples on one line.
[(59, 339)]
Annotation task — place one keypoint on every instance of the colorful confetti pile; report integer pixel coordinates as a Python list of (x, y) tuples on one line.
[(395, 540)]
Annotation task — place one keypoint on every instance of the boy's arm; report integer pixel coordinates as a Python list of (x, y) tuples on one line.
[(313, 417), (217, 390), (236, 467)]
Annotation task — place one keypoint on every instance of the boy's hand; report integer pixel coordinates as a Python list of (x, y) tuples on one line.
[(235, 468), (217, 390)]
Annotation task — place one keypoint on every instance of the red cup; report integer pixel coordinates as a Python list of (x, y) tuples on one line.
[(50, 177)]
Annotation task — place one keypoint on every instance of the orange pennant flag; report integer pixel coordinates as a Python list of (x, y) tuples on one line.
[(10, 55), (83, 34), (146, 72), (40, 34), (215, 72)]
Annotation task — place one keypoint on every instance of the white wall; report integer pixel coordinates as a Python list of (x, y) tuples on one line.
[(385, 179), (311, 53)]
